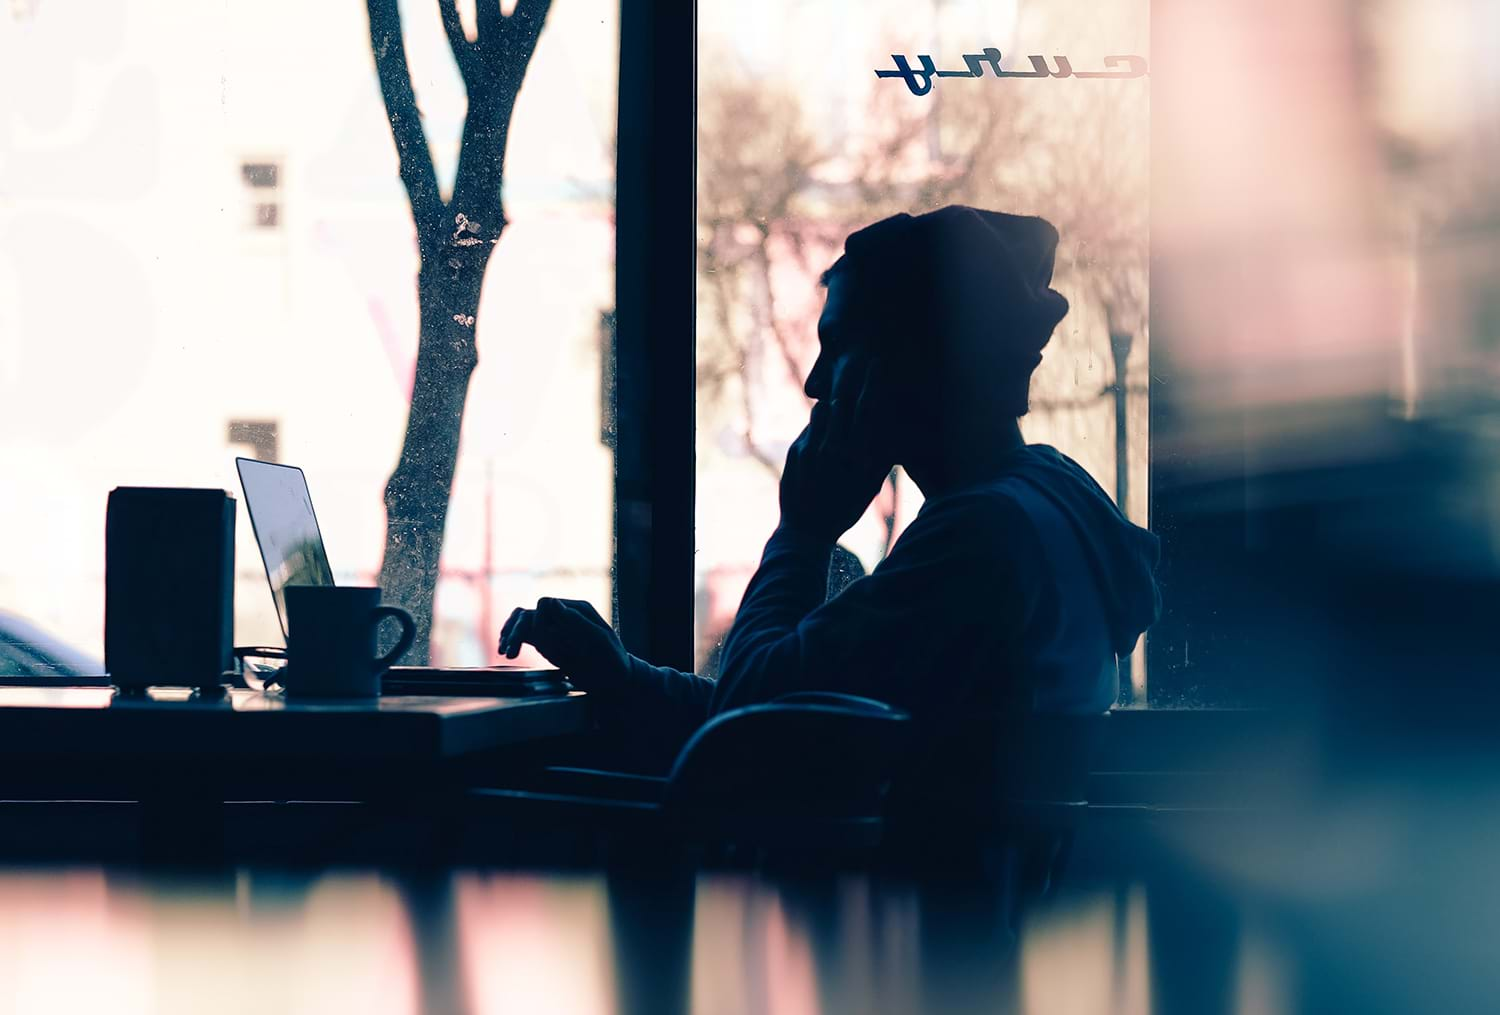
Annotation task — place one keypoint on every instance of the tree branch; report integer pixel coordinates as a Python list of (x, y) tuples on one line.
[(762, 257), (502, 55), (481, 163), (458, 42), (506, 42), (488, 20), (417, 174), (526, 21), (747, 436)]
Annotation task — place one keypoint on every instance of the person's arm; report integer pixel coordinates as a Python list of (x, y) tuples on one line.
[(657, 703), (947, 591), (789, 584)]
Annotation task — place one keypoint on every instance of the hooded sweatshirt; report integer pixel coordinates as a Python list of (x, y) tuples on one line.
[(1023, 588)]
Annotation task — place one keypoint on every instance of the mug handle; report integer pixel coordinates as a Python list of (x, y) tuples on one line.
[(408, 633)]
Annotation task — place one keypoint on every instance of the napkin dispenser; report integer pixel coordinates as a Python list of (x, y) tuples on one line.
[(168, 587)]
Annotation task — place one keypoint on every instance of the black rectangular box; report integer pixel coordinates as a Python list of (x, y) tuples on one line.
[(168, 586)]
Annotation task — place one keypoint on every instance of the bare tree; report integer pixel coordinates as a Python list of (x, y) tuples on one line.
[(455, 237)]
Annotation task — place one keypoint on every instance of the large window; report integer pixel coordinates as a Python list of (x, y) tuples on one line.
[(206, 250), (799, 143)]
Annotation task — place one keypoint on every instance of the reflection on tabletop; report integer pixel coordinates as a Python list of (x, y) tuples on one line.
[(1203, 922), (379, 943)]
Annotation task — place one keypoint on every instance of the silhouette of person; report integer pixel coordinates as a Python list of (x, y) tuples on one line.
[(1018, 580)]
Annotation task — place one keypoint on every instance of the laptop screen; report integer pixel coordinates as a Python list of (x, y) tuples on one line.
[(281, 513)]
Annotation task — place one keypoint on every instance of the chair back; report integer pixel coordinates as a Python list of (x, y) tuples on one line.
[(975, 775), (808, 769)]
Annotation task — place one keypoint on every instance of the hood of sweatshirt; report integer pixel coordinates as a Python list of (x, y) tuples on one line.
[(1121, 554)]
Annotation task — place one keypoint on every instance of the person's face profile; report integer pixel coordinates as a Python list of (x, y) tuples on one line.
[(849, 360), (841, 347)]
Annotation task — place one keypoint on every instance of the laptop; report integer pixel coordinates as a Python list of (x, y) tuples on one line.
[(291, 547)]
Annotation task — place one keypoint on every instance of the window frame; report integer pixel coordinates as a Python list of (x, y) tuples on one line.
[(655, 344)]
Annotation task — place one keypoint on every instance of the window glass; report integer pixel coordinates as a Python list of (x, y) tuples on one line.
[(801, 143), (206, 250)]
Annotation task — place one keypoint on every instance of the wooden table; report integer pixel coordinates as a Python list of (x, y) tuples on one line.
[(93, 743)]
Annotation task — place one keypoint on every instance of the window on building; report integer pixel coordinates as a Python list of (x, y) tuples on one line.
[(264, 181), (259, 435)]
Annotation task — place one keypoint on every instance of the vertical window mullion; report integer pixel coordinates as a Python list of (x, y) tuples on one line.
[(655, 278)]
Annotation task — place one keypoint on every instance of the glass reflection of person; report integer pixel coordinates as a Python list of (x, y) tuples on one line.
[(1019, 579), (303, 564)]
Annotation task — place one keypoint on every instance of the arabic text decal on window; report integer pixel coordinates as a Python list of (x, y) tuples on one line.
[(920, 81)]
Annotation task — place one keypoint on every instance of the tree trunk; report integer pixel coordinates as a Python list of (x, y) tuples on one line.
[(455, 238), (417, 495)]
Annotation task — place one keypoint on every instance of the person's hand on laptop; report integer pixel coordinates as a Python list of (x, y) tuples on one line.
[(574, 638)]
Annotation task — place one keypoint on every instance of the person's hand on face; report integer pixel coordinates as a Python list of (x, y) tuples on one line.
[(841, 459), (573, 637)]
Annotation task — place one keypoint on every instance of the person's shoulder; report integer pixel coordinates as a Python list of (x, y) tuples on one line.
[(999, 516), (985, 519), (998, 498), (1005, 496)]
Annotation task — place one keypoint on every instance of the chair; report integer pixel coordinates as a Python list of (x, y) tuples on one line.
[(805, 774), (1004, 791)]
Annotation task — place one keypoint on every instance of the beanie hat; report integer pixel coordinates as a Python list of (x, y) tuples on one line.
[(978, 282)]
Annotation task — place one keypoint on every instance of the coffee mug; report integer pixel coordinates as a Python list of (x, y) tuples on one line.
[(331, 641)]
